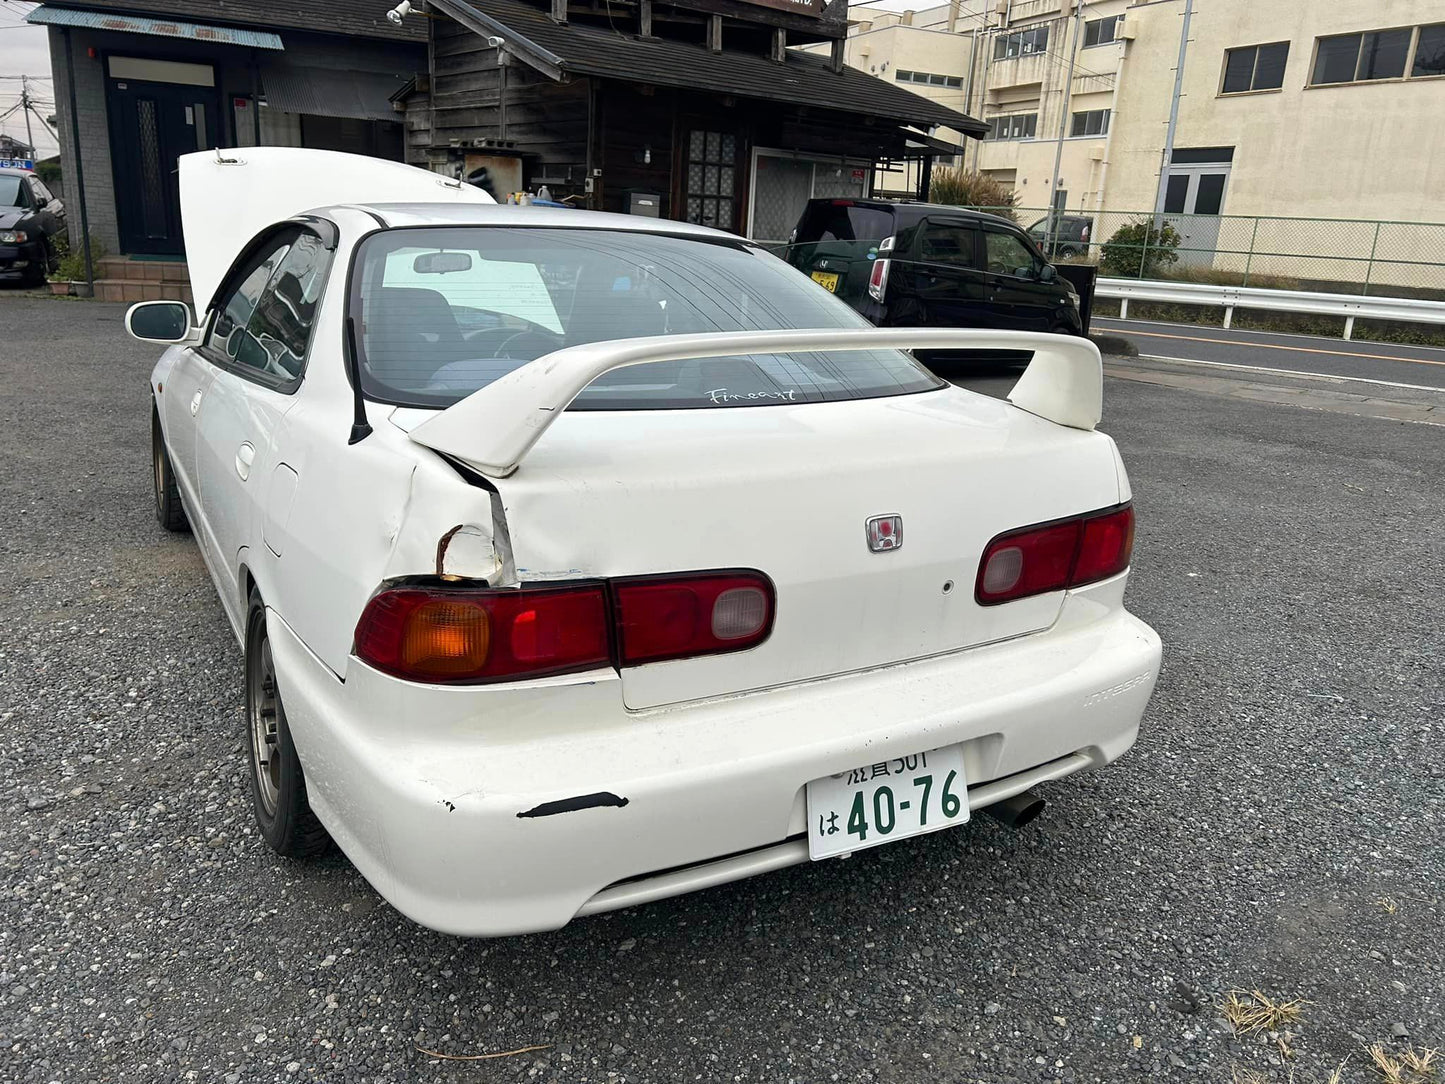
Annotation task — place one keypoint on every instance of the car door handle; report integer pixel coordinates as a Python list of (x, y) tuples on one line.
[(196, 403), (245, 456)]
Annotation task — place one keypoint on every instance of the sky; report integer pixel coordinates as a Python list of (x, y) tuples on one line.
[(24, 51)]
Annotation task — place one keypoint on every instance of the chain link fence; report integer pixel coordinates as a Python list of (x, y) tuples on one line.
[(1335, 255)]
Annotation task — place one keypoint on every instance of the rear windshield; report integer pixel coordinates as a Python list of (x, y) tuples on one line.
[(444, 312), (844, 221)]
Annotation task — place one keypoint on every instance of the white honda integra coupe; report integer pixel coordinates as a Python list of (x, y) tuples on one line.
[(581, 560)]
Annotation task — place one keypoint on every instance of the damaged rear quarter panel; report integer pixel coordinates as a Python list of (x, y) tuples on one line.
[(365, 514)]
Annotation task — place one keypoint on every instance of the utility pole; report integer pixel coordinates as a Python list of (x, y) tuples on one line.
[(1168, 153), (25, 108), (1054, 208)]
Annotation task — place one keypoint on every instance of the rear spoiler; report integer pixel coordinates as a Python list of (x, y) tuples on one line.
[(493, 428)]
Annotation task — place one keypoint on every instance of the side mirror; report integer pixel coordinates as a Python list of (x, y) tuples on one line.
[(1047, 273), (161, 322)]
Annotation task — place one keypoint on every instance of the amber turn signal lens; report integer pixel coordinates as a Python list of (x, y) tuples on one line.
[(446, 637)]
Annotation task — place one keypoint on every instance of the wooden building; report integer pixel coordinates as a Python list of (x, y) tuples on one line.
[(686, 109)]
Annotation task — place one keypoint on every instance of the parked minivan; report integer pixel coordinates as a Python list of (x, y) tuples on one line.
[(928, 265)]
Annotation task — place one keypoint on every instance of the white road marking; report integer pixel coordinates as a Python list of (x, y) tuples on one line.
[(1291, 372)]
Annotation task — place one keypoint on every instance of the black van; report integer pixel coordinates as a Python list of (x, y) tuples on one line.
[(927, 265)]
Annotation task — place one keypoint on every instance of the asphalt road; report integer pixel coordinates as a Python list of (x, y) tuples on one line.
[(1278, 826), (1392, 362)]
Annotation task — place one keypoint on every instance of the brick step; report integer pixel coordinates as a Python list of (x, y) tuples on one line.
[(124, 269), (128, 290)]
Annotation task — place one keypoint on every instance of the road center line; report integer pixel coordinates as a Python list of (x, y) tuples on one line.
[(1289, 372), (1276, 346)]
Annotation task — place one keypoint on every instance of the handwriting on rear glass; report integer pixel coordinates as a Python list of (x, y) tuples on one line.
[(722, 395)]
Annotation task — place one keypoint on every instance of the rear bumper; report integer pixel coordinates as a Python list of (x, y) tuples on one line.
[(457, 804)]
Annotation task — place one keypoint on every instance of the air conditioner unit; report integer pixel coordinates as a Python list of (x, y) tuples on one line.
[(1126, 34)]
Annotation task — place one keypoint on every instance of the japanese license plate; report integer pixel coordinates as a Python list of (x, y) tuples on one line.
[(826, 279), (893, 799)]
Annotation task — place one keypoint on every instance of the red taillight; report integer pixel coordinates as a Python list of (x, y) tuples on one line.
[(461, 635), (1055, 556), (1105, 548), (672, 617), (878, 280), (466, 636)]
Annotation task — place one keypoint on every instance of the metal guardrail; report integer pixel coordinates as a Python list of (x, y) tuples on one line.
[(1350, 306)]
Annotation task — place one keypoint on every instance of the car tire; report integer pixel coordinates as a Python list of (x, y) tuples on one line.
[(170, 514), (278, 785)]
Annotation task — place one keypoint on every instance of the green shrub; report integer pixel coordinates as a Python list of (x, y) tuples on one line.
[(959, 187), (72, 260), (1140, 250)]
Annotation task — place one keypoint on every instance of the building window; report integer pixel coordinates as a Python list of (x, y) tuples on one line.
[(1013, 126), (1102, 31), (1430, 51), (1091, 123), (1255, 67), (1022, 42), (932, 79), (711, 178), (1351, 58)]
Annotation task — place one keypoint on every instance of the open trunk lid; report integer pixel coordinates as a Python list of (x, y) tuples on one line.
[(227, 197)]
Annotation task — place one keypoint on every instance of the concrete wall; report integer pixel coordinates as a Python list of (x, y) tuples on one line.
[(1361, 150), (95, 133)]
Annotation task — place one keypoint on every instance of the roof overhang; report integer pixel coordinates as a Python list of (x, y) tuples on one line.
[(562, 50), (52, 15)]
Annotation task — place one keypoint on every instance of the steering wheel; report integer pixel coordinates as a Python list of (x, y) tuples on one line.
[(548, 341)]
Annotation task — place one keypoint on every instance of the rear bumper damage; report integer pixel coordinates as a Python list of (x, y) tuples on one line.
[(497, 810)]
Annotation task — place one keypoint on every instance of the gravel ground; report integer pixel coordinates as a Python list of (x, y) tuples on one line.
[(1278, 826)]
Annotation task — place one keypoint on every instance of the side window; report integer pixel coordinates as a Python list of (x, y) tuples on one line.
[(228, 331), (279, 331), (1007, 255), (42, 194), (946, 243)]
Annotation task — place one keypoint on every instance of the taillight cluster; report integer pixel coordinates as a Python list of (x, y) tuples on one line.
[(878, 279), (1054, 556), (464, 635)]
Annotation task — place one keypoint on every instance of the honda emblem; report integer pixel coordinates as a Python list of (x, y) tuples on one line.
[(885, 533)]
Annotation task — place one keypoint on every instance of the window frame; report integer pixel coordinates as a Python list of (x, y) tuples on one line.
[(994, 121), (1412, 51), (329, 235), (1103, 131), (1254, 70), (1022, 237), (1001, 42), (1114, 21), (915, 248)]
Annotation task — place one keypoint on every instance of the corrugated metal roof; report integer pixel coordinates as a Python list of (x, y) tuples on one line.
[(51, 15), (330, 92), (351, 18), (803, 79)]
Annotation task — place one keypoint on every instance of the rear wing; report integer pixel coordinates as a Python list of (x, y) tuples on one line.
[(493, 428)]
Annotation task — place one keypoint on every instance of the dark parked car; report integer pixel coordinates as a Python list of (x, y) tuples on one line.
[(32, 224), (927, 265), (1071, 235)]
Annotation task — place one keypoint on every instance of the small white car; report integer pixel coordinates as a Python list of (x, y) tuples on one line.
[(581, 560)]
